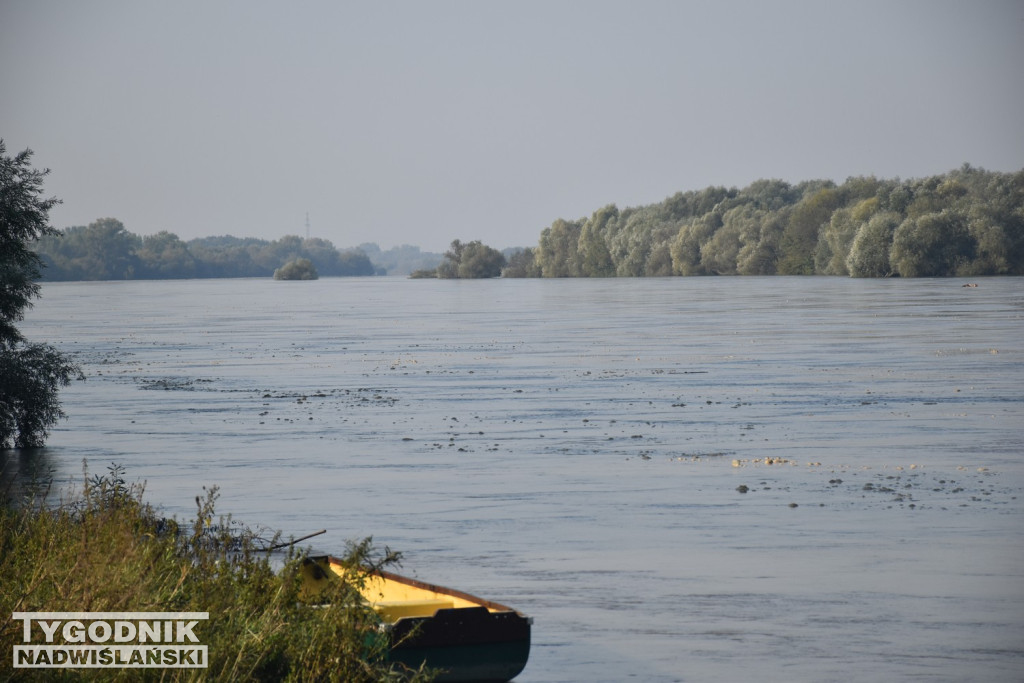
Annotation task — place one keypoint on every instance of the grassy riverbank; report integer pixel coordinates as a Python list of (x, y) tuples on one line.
[(106, 550)]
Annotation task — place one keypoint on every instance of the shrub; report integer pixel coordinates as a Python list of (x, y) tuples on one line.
[(297, 269), (107, 550)]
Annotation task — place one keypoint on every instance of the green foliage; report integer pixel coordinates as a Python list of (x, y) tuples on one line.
[(522, 263), (761, 236), (869, 252), (107, 550), (800, 238), (933, 244), (423, 274), (687, 246), (595, 260), (558, 248), (297, 269), (834, 242), (30, 378), (31, 374), (105, 250), (165, 256), (481, 261), (24, 217), (966, 222), (634, 246), (472, 260)]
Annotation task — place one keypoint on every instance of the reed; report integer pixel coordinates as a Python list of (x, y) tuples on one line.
[(106, 550)]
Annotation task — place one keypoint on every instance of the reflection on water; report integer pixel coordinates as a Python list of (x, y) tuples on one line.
[(26, 473), (578, 449)]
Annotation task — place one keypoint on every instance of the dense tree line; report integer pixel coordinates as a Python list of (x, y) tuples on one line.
[(966, 222), (105, 250)]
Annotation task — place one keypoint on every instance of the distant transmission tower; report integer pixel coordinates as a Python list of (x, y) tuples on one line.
[(307, 225)]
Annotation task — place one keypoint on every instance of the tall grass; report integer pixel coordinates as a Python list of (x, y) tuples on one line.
[(106, 550)]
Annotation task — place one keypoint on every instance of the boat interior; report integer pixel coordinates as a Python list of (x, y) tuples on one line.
[(396, 597)]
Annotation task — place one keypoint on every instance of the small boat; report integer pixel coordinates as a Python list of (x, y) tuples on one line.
[(463, 637)]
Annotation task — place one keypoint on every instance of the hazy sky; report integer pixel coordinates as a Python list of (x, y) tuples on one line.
[(422, 122)]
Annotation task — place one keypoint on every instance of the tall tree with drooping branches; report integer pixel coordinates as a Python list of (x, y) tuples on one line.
[(31, 373)]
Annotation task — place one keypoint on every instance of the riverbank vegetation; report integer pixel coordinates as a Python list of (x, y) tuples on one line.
[(967, 222), (106, 550), (105, 250)]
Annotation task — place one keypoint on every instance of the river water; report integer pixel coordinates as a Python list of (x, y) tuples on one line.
[(592, 452)]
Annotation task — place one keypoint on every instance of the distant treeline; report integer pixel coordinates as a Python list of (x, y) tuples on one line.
[(105, 250), (400, 260), (967, 222)]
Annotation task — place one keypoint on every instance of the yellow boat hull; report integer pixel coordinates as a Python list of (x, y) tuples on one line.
[(464, 637)]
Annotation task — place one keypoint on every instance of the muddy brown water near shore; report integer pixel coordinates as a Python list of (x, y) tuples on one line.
[(578, 448)]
